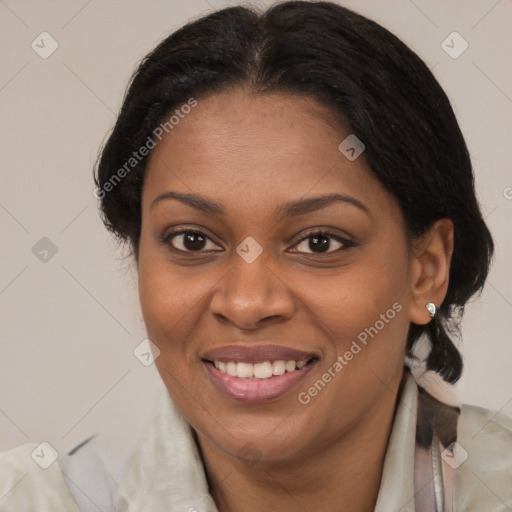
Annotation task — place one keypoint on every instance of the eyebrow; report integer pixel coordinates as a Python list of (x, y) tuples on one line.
[(289, 209), (194, 200), (311, 204)]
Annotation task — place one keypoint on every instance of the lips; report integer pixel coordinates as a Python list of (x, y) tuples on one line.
[(220, 364), (256, 354)]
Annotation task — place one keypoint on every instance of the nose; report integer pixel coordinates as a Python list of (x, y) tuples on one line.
[(250, 295)]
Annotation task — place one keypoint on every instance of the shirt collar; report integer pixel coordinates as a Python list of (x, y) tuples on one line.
[(166, 472), (396, 493)]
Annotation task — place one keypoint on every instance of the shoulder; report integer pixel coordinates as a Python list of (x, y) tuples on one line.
[(483, 472), (34, 477), (31, 479)]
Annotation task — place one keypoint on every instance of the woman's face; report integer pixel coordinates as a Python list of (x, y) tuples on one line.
[(234, 272)]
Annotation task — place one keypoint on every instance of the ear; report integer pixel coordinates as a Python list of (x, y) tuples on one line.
[(430, 269)]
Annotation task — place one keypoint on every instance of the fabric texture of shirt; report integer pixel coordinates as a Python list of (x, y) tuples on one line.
[(165, 471)]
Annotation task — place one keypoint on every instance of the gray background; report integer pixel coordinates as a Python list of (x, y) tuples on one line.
[(70, 323)]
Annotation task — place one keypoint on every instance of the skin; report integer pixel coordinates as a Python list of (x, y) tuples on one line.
[(251, 154)]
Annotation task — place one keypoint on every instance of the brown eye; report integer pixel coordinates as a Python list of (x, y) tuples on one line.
[(190, 241), (321, 242)]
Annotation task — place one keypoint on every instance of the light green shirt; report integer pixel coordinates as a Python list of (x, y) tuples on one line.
[(165, 472)]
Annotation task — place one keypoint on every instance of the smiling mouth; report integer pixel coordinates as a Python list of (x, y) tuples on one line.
[(257, 372), (260, 371), (260, 381)]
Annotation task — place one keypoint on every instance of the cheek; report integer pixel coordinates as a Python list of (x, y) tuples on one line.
[(165, 299), (353, 298), (364, 310), (169, 304), (173, 301), (363, 313)]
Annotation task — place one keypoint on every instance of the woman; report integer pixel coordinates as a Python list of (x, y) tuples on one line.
[(300, 204)]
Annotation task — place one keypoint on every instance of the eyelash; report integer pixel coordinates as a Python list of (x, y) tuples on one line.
[(346, 244)]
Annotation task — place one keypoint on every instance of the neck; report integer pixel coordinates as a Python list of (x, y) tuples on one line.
[(344, 475)]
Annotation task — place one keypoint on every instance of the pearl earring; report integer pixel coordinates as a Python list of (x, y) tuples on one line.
[(431, 307)]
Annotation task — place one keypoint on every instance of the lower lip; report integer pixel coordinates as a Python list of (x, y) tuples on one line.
[(257, 390)]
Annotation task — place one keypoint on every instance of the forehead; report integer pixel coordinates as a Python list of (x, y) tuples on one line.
[(253, 150)]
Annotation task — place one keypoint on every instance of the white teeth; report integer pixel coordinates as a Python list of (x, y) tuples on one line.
[(231, 369), (264, 370), (244, 370), (278, 367), (290, 366)]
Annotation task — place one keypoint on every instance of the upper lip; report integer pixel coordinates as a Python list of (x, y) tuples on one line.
[(256, 354)]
